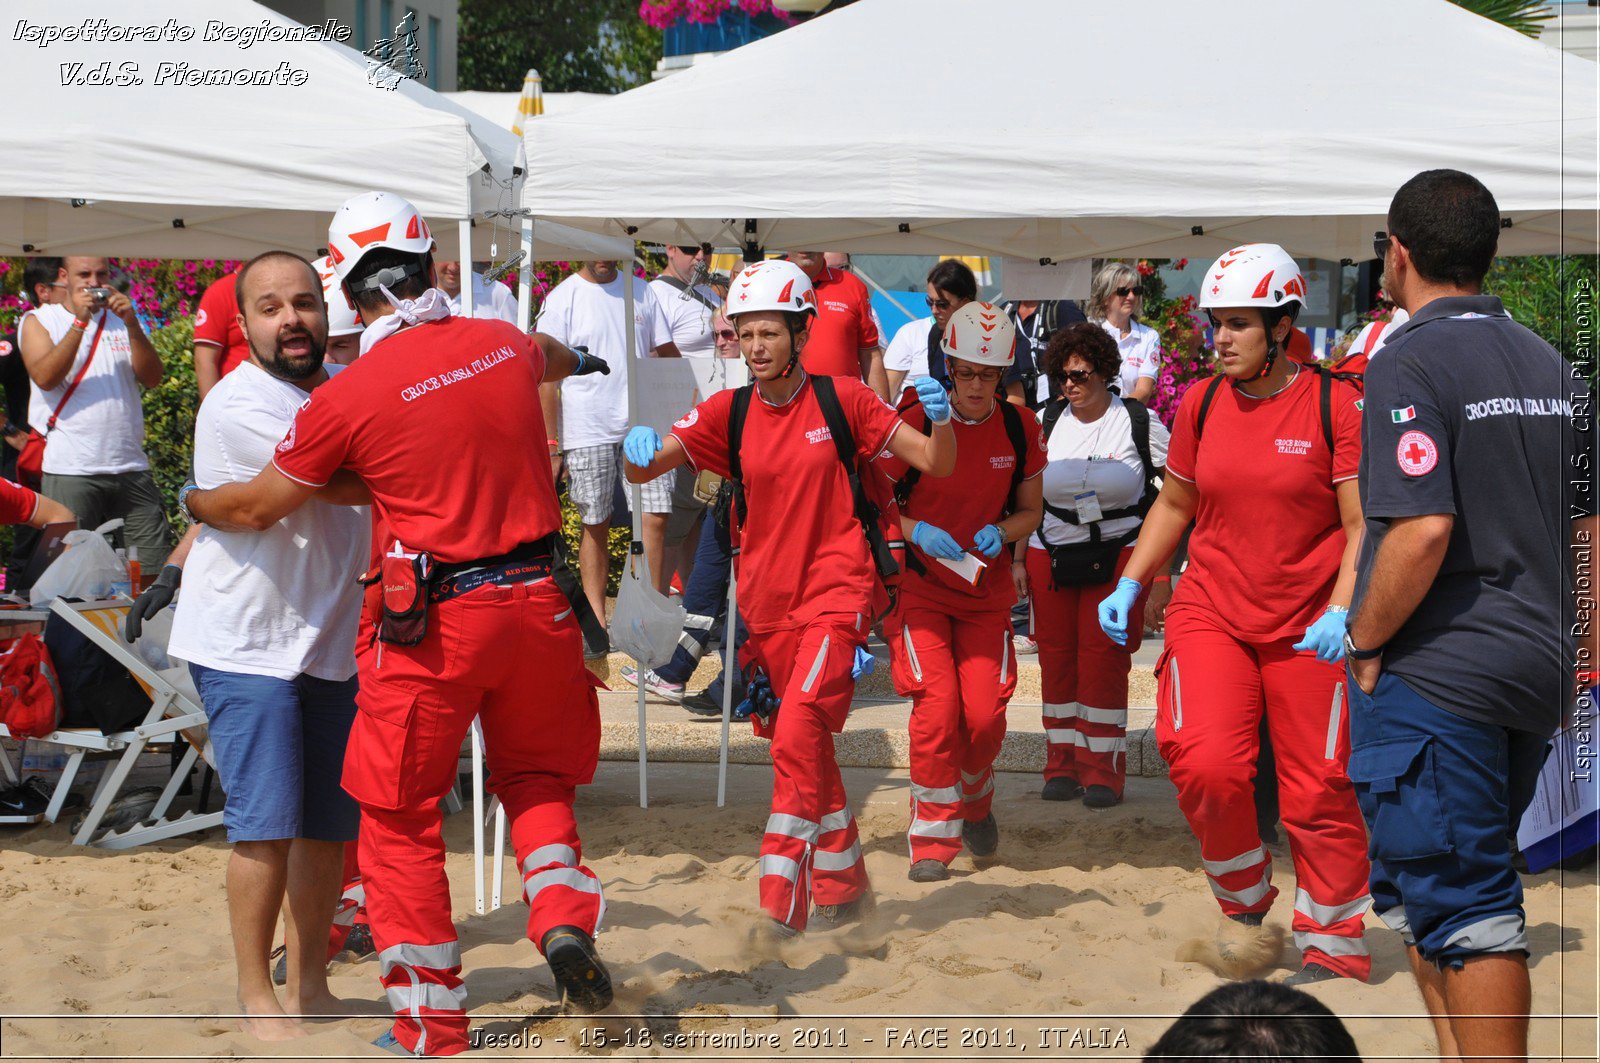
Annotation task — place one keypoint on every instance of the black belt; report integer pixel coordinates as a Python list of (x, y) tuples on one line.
[(521, 564)]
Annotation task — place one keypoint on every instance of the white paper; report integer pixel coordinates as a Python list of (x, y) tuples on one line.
[(968, 566)]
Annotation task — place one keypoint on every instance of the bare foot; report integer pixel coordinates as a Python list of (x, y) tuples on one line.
[(319, 1003), (266, 1020)]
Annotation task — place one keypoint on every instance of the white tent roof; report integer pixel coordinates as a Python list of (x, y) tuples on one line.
[(177, 170), (501, 107), (1038, 128)]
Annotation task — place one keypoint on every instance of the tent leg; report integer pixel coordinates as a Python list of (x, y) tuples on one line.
[(637, 495), (729, 658), (525, 279), (464, 228)]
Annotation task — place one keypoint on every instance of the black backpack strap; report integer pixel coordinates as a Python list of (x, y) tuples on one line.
[(736, 419), (1325, 402), (844, 441), (1052, 413), (1019, 443), (1205, 404), (687, 292), (1139, 420), (908, 482)]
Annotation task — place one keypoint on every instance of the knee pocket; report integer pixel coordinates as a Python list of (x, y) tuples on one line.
[(1397, 786)]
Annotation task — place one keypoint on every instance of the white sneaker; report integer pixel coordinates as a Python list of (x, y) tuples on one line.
[(653, 684), (1024, 644)]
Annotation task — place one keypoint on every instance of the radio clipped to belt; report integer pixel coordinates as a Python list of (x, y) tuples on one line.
[(405, 582)]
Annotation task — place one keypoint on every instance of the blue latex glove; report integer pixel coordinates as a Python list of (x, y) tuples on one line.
[(1326, 636), (934, 398), (1116, 608), (935, 541), (865, 663), (989, 540), (641, 445)]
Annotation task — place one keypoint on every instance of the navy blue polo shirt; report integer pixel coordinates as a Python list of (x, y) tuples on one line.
[(1471, 414)]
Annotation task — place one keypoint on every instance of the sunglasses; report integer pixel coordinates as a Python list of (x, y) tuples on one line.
[(937, 304), (1137, 289), (693, 250), (727, 334), (967, 376), (1079, 376), (1380, 243)]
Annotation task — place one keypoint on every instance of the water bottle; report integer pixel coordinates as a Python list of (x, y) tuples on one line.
[(122, 587)]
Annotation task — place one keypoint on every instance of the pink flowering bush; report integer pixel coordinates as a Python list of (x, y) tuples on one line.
[(660, 14)]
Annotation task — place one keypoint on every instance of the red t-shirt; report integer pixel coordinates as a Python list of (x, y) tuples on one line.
[(1268, 538), (17, 503), (966, 500), (217, 322), (843, 328), (802, 553), (443, 422)]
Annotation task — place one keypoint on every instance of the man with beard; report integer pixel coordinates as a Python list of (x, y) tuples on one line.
[(268, 627)]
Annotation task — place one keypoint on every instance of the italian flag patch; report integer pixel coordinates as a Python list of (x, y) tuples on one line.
[(1402, 416)]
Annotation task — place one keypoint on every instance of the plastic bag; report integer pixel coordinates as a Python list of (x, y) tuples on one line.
[(86, 568), (646, 624)]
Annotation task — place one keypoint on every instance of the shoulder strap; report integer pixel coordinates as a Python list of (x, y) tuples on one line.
[(1019, 444), (908, 482), (55, 415), (1372, 337), (692, 293), (1052, 413), (844, 441), (1325, 404), (736, 418), (1139, 421), (1205, 405)]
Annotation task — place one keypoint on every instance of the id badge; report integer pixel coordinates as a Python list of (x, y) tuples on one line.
[(1087, 506)]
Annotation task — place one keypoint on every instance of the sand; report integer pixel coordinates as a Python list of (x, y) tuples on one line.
[(1065, 947)]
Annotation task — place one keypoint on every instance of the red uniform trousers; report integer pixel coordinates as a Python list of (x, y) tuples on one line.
[(810, 850), (512, 656), (1084, 675), (1212, 691), (959, 672)]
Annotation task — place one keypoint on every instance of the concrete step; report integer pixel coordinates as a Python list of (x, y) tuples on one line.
[(876, 735)]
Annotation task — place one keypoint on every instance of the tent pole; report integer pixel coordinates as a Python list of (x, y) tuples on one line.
[(730, 660), (525, 280), (636, 497), (464, 228)]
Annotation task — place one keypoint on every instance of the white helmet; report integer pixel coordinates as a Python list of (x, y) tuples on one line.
[(342, 317), (372, 220), (771, 285), (981, 333), (1253, 275)]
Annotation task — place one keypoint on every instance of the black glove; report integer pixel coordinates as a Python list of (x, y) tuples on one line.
[(589, 363), (152, 601)]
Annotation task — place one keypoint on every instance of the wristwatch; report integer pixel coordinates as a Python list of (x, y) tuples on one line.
[(1355, 654), (183, 502)]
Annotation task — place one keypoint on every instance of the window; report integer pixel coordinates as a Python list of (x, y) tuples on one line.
[(363, 38), (433, 52)]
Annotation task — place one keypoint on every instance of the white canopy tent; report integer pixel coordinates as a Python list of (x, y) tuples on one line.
[(1034, 128), (169, 170)]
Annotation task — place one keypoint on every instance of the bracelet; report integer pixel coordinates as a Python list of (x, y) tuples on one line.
[(81, 326), (553, 444), (1337, 609), (1161, 579)]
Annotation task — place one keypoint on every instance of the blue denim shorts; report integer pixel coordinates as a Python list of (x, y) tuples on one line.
[(1442, 796), (279, 746)]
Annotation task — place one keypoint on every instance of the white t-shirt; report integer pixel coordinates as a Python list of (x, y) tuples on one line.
[(1140, 350), (1100, 457), (489, 300), (908, 351), (281, 602), (689, 318), (101, 431), (1359, 344), (581, 313)]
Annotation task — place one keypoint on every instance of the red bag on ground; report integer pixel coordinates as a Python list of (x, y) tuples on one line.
[(29, 706)]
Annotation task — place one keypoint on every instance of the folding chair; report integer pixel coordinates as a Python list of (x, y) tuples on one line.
[(175, 715), (479, 821)]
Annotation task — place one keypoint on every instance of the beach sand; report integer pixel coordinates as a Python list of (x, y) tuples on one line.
[(1065, 947)]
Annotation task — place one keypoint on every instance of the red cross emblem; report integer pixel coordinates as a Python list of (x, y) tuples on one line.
[(744, 295), (1417, 454), (1215, 288)]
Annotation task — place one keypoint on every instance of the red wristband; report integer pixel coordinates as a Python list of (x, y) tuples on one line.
[(1161, 579), (553, 444)]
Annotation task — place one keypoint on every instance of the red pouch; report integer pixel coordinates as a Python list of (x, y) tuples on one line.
[(405, 598)]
